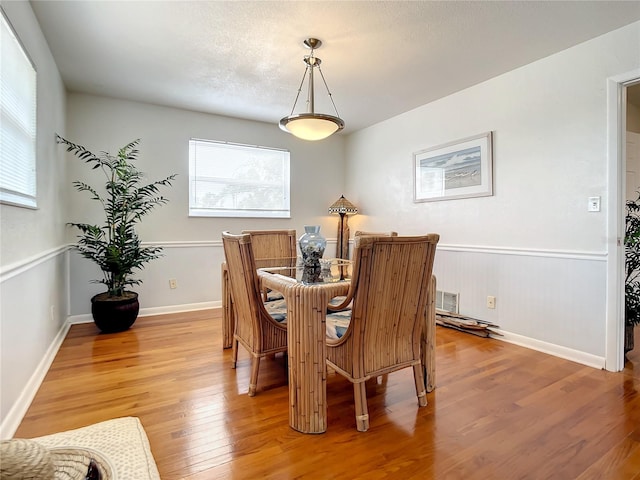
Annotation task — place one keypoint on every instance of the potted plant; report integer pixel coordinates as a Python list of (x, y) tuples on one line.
[(114, 244), (632, 267)]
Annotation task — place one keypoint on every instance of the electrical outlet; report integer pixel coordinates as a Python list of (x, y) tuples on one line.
[(594, 204), (52, 313), (173, 283), (491, 301)]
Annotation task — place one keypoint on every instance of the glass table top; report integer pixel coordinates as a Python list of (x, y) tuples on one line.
[(328, 270)]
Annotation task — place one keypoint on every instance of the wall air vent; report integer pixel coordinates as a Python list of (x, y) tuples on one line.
[(447, 301)]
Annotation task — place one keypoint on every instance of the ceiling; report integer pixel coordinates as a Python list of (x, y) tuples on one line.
[(245, 58)]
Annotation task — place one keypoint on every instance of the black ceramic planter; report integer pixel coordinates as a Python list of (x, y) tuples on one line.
[(115, 314)]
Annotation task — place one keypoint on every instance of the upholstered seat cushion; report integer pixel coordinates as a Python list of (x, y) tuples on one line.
[(121, 441), (277, 308), (337, 323), (273, 296)]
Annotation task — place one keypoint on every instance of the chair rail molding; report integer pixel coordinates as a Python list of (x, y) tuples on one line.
[(569, 254), (9, 271)]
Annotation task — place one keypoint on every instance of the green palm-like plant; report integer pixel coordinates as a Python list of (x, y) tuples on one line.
[(114, 246), (632, 264)]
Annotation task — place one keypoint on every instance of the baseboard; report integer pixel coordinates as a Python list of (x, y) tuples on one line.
[(187, 307), (145, 312), (552, 349), (12, 421)]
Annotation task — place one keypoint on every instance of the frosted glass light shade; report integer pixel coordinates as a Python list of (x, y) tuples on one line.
[(311, 126)]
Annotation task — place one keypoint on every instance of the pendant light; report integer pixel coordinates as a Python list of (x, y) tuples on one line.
[(311, 125)]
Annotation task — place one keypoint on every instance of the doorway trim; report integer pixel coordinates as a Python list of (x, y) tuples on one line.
[(616, 128)]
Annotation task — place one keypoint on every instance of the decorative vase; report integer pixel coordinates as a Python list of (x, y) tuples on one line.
[(312, 246)]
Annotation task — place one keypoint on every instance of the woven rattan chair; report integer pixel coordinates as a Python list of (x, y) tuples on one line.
[(340, 304), (388, 291), (267, 244), (255, 329), (273, 245)]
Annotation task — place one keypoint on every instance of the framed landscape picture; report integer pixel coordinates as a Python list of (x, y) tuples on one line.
[(459, 169)]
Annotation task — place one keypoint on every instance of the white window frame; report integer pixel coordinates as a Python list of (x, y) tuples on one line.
[(18, 131), (219, 155)]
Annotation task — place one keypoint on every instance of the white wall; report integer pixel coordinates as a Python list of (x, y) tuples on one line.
[(549, 124), (194, 250), (33, 267)]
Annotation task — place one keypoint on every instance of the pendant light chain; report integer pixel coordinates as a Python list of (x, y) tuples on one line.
[(304, 75), (327, 87)]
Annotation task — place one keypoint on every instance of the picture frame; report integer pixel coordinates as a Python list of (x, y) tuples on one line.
[(459, 169)]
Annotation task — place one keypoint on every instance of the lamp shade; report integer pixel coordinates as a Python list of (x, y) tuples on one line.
[(311, 126), (343, 206)]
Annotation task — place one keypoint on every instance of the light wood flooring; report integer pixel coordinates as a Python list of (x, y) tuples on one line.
[(499, 411)]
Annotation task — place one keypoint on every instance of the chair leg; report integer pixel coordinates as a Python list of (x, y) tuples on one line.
[(425, 375), (234, 353), (362, 412), (253, 380), (419, 381)]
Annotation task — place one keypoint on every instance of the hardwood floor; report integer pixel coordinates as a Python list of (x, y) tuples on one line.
[(499, 411)]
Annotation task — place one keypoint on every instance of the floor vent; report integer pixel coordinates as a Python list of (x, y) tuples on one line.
[(447, 301)]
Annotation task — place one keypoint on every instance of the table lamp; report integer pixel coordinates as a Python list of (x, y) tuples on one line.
[(343, 207)]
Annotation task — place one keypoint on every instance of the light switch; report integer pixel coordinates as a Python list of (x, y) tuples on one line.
[(594, 204)]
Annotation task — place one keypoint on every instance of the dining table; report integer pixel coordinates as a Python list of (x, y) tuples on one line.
[(306, 298)]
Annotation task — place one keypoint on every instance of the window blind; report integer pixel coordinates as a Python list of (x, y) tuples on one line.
[(232, 180), (17, 123)]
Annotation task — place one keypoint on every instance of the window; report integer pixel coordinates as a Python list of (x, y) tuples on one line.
[(231, 180), (18, 122)]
